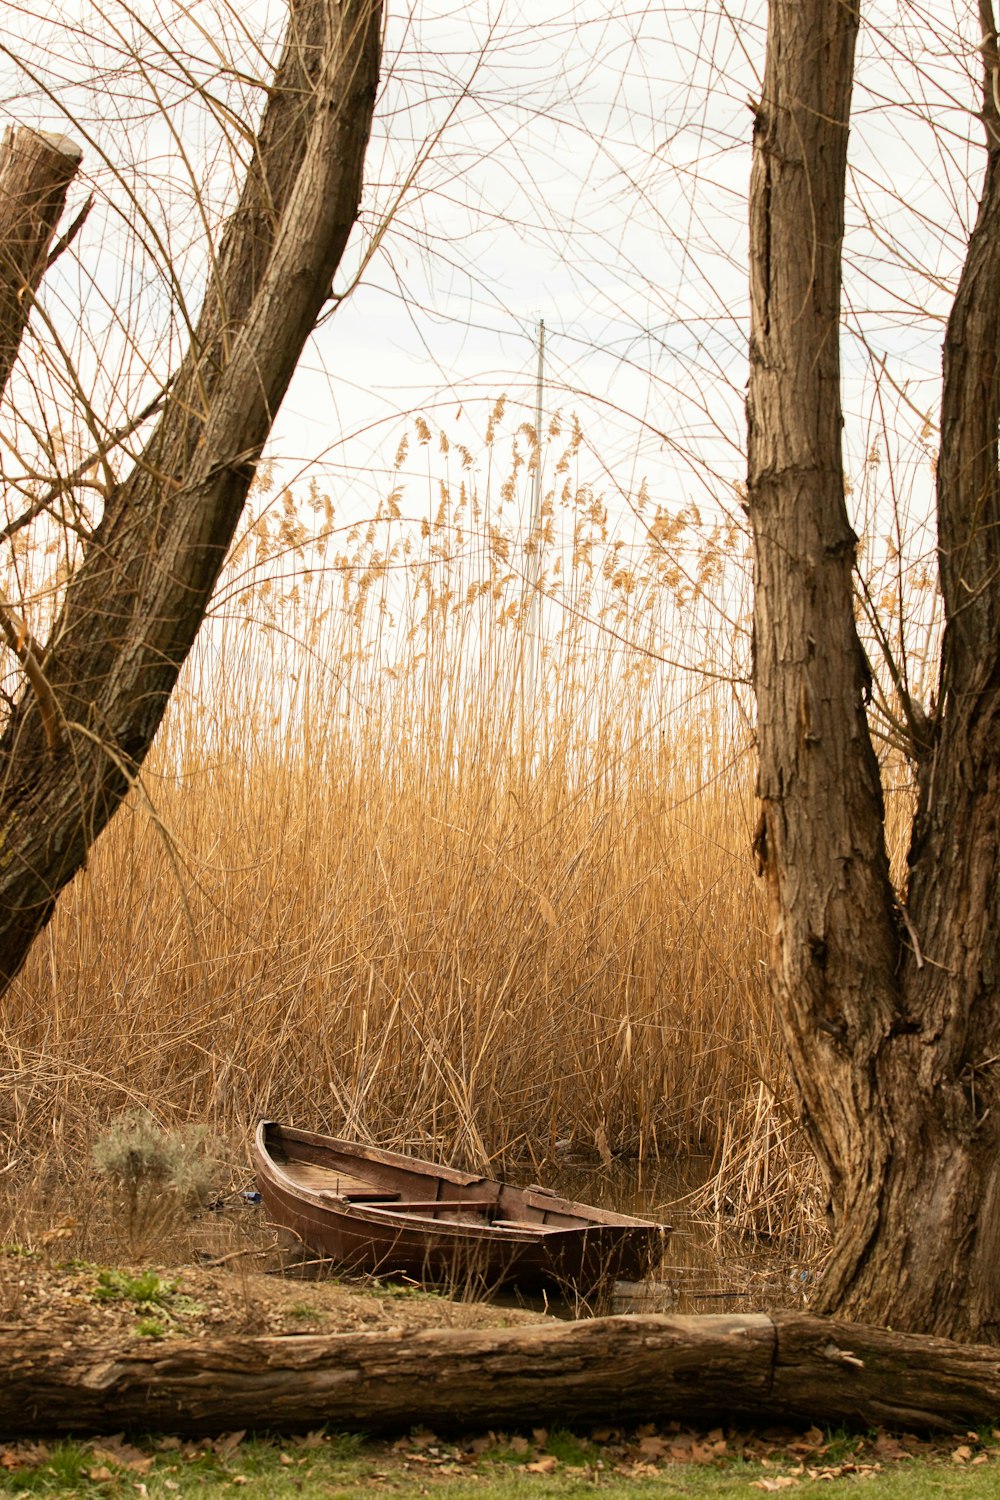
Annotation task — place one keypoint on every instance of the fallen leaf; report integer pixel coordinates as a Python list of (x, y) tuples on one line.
[(423, 1439), (61, 1231), (25, 1455), (123, 1455), (542, 1465), (639, 1470), (228, 1441)]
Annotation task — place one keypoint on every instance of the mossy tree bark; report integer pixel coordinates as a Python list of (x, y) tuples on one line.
[(891, 1011), (134, 605)]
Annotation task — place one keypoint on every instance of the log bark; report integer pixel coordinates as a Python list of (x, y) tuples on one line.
[(890, 1001), (786, 1367), (133, 607)]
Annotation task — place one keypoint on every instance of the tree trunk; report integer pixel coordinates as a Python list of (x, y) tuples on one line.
[(35, 173), (133, 608), (788, 1367), (890, 1015)]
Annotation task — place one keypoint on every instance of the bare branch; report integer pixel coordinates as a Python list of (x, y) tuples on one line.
[(15, 632)]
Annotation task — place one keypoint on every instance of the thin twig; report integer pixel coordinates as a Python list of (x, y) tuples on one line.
[(75, 475), (21, 642), (65, 240)]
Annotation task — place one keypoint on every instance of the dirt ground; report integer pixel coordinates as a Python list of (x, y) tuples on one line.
[(82, 1303), (222, 1273)]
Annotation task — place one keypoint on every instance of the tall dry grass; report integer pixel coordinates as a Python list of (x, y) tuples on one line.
[(420, 860)]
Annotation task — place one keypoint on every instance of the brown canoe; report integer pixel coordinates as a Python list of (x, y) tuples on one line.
[(382, 1213)]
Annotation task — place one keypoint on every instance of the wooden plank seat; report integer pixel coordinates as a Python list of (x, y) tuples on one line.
[(396, 1202), (440, 1205), (531, 1224), (368, 1196)]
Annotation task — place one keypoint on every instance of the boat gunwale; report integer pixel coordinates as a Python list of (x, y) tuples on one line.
[(590, 1217), (328, 1202)]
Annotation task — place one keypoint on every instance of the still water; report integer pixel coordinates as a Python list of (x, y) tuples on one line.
[(706, 1268)]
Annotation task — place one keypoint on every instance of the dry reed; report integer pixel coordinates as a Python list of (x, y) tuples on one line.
[(428, 862)]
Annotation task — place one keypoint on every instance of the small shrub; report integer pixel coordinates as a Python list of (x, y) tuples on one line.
[(155, 1174)]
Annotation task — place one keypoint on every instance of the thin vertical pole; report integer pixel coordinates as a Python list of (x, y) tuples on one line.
[(534, 529)]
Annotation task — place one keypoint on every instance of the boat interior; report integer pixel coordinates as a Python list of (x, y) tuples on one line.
[(430, 1196)]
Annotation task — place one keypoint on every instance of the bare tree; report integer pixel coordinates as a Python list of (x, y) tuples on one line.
[(889, 1001), (98, 687)]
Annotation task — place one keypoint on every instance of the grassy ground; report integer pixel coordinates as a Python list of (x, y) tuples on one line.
[(83, 1306), (501, 1467)]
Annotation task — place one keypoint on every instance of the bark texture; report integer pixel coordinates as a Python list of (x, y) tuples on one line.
[(133, 608), (891, 1014), (35, 172), (628, 1369)]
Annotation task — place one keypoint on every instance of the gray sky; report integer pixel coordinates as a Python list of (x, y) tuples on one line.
[(584, 162)]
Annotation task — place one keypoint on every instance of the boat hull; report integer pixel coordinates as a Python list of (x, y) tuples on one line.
[(381, 1213)]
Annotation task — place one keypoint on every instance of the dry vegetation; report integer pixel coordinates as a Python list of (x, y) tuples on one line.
[(427, 863)]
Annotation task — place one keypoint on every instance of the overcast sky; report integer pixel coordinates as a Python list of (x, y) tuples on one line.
[(582, 162)]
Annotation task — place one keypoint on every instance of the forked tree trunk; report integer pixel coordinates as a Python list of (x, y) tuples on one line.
[(133, 608), (891, 1013)]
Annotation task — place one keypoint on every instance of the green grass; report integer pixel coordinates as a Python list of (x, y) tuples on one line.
[(157, 1302), (144, 1288), (323, 1467)]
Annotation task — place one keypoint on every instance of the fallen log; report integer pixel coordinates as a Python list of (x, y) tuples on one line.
[(782, 1367)]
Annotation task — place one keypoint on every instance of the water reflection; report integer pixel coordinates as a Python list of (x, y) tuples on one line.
[(705, 1269)]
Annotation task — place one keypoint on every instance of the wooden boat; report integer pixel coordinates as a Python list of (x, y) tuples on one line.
[(386, 1214)]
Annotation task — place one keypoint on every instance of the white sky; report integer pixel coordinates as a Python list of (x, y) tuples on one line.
[(590, 165)]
